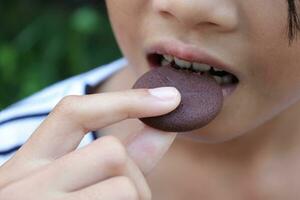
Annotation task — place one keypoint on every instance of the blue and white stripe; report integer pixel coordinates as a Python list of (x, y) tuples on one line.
[(19, 120)]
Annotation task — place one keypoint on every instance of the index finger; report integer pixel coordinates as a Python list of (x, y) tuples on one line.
[(75, 116)]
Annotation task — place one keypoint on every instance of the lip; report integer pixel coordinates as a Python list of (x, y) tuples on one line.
[(190, 53)]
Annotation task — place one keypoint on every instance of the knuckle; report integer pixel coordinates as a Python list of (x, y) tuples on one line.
[(127, 188), (67, 105), (130, 104), (117, 154)]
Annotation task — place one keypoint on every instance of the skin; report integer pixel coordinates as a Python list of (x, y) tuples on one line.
[(48, 161), (254, 36), (253, 141), (250, 151)]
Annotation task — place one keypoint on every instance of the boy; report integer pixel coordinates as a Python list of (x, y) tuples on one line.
[(250, 151)]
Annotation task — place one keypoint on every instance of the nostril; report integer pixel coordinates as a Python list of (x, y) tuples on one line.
[(165, 14)]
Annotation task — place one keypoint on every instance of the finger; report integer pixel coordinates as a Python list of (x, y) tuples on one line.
[(138, 178), (63, 130), (107, 157), (103, 159), (148, 147), (116, 188)]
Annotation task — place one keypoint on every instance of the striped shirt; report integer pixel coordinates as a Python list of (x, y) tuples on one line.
[(19, 120)]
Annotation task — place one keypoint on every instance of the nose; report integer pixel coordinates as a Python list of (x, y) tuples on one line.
[(194, 13)]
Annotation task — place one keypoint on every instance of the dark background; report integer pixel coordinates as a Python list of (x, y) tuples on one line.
[(44, 41)]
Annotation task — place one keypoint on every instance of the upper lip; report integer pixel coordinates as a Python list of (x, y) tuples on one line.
[(189, 53)]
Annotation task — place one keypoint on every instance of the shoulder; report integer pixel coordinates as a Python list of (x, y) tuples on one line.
[(19, 121)]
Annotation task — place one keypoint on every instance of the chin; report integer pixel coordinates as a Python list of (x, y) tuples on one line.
[(211, 134), (201, 138)]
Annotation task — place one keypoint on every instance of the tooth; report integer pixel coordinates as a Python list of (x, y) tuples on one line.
[(227, 79), (217, 70), (164, 62), (168, 58), (218, 79), (182, 63), (201, 67)]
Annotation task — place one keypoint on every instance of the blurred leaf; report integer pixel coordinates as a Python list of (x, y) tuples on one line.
[(85, 20), (42, 42), (8, 59)]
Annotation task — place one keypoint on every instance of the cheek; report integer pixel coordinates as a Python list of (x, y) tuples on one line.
[(273, 86), (119, 19), (273, 64), (276, 74), (127, 17)]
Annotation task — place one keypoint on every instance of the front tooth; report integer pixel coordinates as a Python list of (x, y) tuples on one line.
[(168, 58), (183, 63), (218, 79), (217, 70), (201, 67)]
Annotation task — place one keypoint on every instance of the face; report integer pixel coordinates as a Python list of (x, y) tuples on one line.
[(248, 36)]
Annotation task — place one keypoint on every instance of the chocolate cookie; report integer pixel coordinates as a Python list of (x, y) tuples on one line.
[(201, 98)]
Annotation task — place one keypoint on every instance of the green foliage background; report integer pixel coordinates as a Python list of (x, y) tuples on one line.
[(44, 41)]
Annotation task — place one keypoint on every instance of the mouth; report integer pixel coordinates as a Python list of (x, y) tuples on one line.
[(228, 81)]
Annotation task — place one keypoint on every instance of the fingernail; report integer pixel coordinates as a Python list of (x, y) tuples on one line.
[(164, 93)]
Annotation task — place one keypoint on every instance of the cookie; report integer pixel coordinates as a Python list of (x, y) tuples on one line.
[(201, 98)]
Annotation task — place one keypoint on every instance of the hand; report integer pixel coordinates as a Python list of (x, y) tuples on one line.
[(50, 167)]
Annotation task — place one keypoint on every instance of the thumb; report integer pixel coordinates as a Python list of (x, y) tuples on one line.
[(149, 146)]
